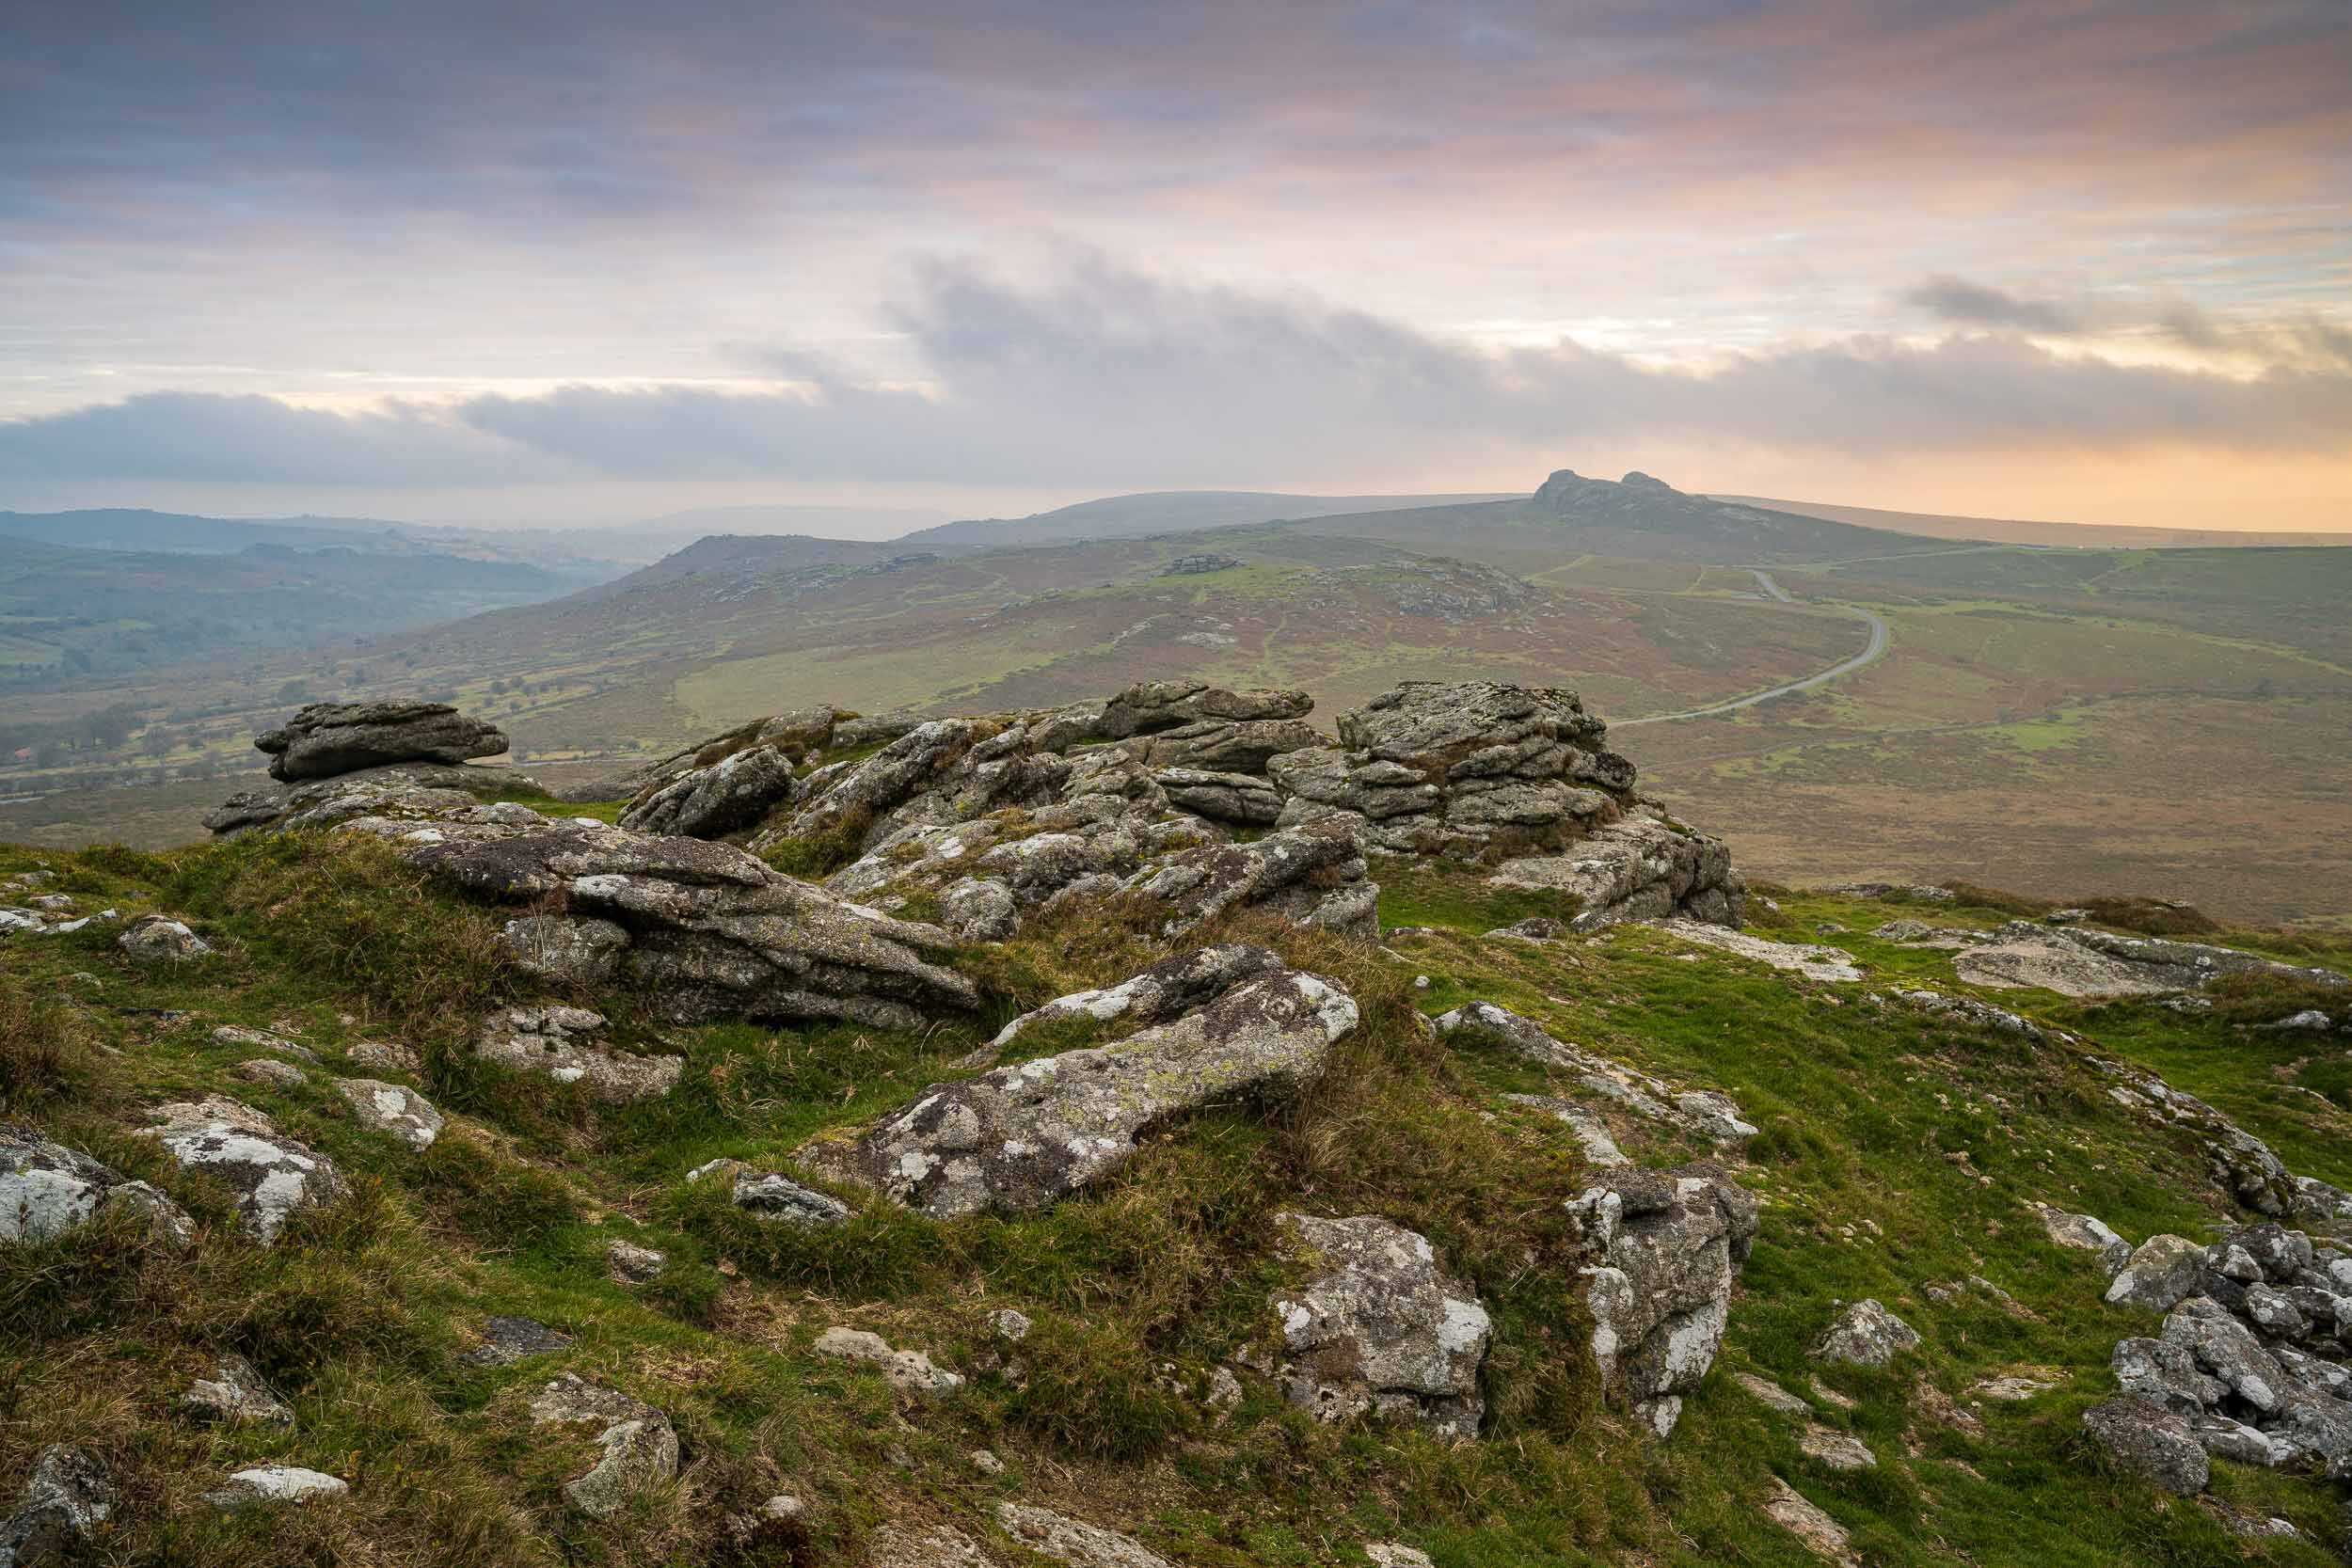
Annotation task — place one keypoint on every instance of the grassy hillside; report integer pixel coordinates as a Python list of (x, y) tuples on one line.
[(1898, 1152)]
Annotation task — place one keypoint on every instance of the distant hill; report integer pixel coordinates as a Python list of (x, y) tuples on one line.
[(116, 528), (2018, 530), (846, 522), (69, 614), (1160, 512), (1636, 516)]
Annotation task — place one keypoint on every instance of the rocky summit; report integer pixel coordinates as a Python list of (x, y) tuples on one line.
[(1167, 1129)]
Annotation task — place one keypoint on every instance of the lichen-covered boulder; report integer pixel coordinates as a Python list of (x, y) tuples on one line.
[(1638, 867), (409, 791), (734, 792), (391, 1108), (47, 1189), (1380, 1326), (710, 931), (272, 1176), (2085, 1233), (772, 1197), (1312, 876), (637, 1447), (156, 939), (1153, 706), (567, 1044), (1074, 1541), (2161, 1273), (67, 1497), (1024, 1137), (1169, 988), (327, 738), (287, 1485), (2152, 1442), (1865, 1335), (1661, 1250)]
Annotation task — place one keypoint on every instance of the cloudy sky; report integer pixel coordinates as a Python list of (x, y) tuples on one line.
[(587, 260)]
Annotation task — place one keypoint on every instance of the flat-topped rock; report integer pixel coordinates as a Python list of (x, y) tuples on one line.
[(1024, 1137), (47, 1190), (273, 1176), (327, 738)]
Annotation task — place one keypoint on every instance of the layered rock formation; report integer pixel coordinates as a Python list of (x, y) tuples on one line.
[(327, 738)]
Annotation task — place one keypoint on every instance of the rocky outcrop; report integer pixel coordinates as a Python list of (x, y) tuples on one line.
[(1661, 1250), (412, 791), (271, 1175), (66, 1498), (1381, 1327), (708, 931), (2242, 1164), (1196, 565), (2251, 1364), (1472, 770), (1639, 868), (2152, 1442), (1024, 1137), (638, 1447), (327, 738), (1813, 961), (2079, 961), (730, 781), (47, 1190), (1311, 876), (567, 1045)]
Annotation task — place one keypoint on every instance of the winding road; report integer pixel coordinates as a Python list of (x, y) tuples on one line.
[(1868, 655)]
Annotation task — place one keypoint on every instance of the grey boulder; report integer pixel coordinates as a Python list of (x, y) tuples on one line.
[(1381, 1327), (1660, 1251), (637, 1447), (67, 1497), (1311, 876), (1024, 1137), (47, 1189), (392, 1109), (1866, 1334), (2152, 1442), (271, 1175), (237, 1392), (567, 1045), (155, 939)]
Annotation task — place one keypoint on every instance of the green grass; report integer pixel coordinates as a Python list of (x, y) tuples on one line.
[(1896, 1152)]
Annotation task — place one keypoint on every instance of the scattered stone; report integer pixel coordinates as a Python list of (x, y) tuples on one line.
[(1709, 1114), (631, 1264), (985, 1462), (2011, 1391), (1024, 1137), (1195, 565), (639, 1448), (1392, 1554), (236, 1392), (276, 1074), (938, 1547), (1981, 1013), (263, 1484), (1772, 1394), (327, 738), (772, 1197), (2152, 1442), (2249, 1168), (1382, 1329), (273, 1176), (383, 1107), (909, 1371), (1828, 964), (1008, 1326), (775, 1530), (566, 1044), (1838, 1451), (155, 939), (1822, 1535), (507, 1340), (68, 1495), (237, 1035), (1165, 990), (383, 1056), (1866, 1334), (1591, 1132), (1072, 1540), (1662, 1249), (2160, 1273), (2087, 1235), (47, 1189)]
